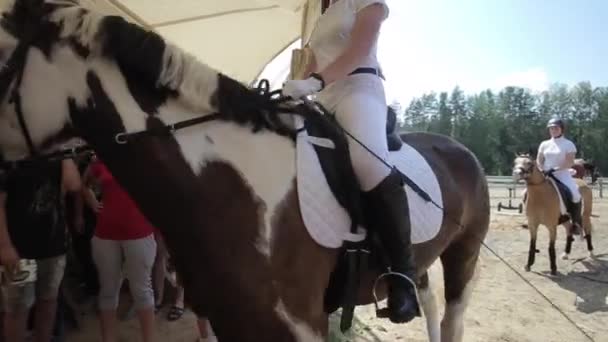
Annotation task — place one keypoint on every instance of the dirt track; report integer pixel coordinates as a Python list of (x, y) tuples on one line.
[(503, 307)]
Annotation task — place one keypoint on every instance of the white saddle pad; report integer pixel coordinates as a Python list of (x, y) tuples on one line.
[(329, 223), (562, 204)]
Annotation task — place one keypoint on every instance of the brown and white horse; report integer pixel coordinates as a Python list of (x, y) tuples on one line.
[(542, 206), (584, 169), (223, 193)]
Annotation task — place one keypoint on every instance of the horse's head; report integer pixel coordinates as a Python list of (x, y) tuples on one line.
[(524, 166), (42, 57), (60, 57)]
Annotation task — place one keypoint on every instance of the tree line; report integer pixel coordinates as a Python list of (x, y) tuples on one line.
[(497, 125)]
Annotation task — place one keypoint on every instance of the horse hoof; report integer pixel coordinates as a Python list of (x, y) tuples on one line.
[(591, 255), (565, 256), (553, 272), (527, 268)]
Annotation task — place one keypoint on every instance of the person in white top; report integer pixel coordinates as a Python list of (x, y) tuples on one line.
[(555, 157), (345, 76)]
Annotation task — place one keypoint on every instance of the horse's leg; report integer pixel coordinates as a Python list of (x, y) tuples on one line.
[(589, 244), (569, 240), (428, 302), (459, 262), (533, 228), (552, 237)]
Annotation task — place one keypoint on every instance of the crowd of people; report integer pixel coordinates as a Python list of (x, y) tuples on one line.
[(72, 217)]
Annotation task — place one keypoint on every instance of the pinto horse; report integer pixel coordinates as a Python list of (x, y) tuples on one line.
[(223, 192), (584, 169)]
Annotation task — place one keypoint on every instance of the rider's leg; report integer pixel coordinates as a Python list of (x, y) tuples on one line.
[(575, 209), (362, 113)]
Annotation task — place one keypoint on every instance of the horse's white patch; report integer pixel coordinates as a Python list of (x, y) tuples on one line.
[(301, 331), (45, 80), (453, 318), (329, 224), (265, 160), (84, 26), (195, 81), (428, 303)]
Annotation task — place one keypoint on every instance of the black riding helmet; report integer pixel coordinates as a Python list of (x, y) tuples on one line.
[(556, 122)]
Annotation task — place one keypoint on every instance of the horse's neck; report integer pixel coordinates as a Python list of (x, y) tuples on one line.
[(537, 184), (265, 159)]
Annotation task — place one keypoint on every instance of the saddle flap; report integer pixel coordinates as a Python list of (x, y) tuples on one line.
[(562, 193)]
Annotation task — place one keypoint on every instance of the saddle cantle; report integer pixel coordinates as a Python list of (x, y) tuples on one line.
[(392, 138)]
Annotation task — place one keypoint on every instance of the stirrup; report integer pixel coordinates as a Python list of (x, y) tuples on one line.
[(384, 313)]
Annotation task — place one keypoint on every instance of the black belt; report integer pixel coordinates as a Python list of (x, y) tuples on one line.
[(372, 71)]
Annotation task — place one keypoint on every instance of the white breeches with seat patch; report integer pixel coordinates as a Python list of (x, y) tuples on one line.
[(360, 106), (566, 178)]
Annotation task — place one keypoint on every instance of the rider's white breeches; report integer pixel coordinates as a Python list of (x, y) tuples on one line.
[(565, 177), (360, 107)]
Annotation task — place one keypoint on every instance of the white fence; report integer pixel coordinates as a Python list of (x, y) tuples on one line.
[(506, 182)]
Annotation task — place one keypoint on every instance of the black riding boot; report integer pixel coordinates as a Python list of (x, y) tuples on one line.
[(576, 217), (388, 204)]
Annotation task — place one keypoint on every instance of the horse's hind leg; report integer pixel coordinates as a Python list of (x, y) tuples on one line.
[(428, 302), (589, 245), (459, 262), (569, 240)]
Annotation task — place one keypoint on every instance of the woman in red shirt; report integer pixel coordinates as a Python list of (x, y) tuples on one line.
[(123, 242)]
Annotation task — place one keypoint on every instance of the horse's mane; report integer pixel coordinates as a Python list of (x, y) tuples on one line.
[(145, 55)]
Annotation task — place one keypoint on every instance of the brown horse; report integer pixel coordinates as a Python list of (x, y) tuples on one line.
[(223, 191), (584, 169), (543, 207)]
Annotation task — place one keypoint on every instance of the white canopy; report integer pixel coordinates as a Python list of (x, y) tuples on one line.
[(237, 37)]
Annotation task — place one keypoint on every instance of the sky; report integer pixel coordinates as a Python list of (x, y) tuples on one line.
[(434, 45), (479, 44)]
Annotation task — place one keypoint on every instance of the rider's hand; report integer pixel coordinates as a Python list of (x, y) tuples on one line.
[(9, 257), (299, 88), (549, 172)]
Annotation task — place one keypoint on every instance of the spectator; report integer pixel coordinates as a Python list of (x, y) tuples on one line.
[(121, 232), (33, 226)]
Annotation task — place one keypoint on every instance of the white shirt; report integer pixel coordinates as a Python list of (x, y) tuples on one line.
[(331, 34), (555, 150)]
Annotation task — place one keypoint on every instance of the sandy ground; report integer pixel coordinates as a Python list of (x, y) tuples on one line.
[(503, 307)]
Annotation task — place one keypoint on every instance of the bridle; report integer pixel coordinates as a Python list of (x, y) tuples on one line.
[(12, 73), (528, 172)]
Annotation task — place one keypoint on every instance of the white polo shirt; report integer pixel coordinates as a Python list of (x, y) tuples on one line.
[(331, 34), (554, 151)]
